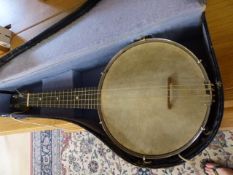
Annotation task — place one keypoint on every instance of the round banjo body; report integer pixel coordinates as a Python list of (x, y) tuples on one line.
[(155, 99)]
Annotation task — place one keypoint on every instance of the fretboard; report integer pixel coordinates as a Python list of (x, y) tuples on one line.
[(82, 98)]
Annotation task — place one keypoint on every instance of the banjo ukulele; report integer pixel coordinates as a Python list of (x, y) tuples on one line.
[(153, 101)]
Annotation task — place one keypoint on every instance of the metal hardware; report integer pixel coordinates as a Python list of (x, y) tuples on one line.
[(143, 38), (199, 61), (20, 94), (182, 158), (207, 132), (145, 161), (219, 84), (203, 129), (5, 38)]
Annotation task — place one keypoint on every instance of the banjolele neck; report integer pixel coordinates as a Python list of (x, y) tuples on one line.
[(82, 98)]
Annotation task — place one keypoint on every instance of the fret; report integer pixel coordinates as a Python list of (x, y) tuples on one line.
[(55, 99), (91, 98), (61, 96), (91, 93), (62, 100), (30, 101), (84, 101), (78, 99), (46, 100), (58, 99), (37, 100), (52, 99), (71, 101), (28, 96), (74, 99), (88, 99), (50, 96), (67, 99), (41, 99), (81, 99), (94, 99)]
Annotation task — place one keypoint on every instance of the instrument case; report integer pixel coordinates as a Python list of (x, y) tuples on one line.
[(76, 55)]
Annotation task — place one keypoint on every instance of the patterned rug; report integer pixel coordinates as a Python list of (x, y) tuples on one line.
[(60, 153)]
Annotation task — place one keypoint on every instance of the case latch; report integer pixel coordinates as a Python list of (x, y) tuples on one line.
[(5, 38)]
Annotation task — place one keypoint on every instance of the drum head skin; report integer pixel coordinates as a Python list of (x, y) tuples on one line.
[(155, 98)]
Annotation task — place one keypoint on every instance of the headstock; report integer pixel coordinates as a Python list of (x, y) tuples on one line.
[(19, 102)]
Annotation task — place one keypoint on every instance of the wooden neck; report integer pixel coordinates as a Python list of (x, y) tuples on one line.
[(82, 98)]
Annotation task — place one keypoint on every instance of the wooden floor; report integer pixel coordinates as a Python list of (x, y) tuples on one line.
[(220, 22), (30, 17)]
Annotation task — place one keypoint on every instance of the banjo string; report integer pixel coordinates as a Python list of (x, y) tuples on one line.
[(86, 91), (126, 95), (69, 98), (67, 104), (193, 87), (97, 92)]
